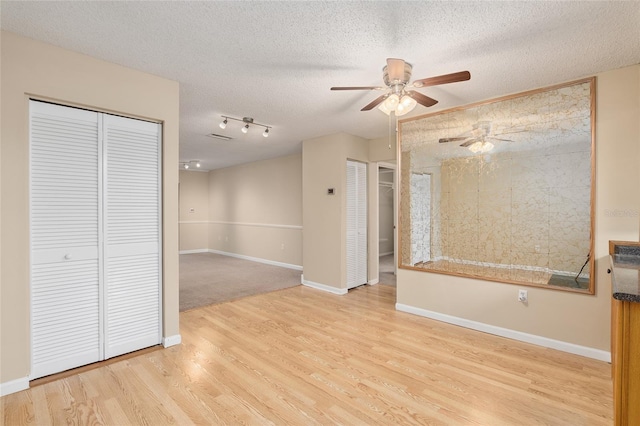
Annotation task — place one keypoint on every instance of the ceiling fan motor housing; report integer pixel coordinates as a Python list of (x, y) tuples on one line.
[(397, 75)]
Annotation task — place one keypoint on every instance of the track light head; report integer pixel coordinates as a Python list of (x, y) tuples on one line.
[(266, 133), (224, 123), (186, 166), (198, 164), (245, 129)]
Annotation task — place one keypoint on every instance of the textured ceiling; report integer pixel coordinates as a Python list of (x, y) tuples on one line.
[(275, 61)]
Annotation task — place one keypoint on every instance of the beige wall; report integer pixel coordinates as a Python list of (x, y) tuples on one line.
[(31, 68), (324, 162), (194, 210), (575, 318), (255, 209), (383, 149)]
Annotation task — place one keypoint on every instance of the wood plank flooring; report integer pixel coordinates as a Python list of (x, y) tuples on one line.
[(303, 357)]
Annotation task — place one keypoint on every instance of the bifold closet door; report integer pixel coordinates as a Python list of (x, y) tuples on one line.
[(356, 224), (132, 235), (95, 236), (65, 238)]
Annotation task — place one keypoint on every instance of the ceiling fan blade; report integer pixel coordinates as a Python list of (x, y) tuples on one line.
[(377, 101), (469, 142), (395, 69), (445, 140), (443, 79), (358, 88), (422, 99)]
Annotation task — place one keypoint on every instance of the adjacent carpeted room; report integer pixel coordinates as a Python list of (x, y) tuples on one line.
[(208, 278)]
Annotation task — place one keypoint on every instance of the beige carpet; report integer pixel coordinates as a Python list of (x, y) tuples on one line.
[(207, 278)]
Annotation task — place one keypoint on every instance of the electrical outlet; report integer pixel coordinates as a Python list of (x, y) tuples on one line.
[(282, 246), (523, 296), (537, 248)]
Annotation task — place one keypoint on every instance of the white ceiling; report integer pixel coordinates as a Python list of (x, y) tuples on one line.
[(275, 61)]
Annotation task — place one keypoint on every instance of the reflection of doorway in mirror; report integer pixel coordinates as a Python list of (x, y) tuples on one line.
[(420, 218)]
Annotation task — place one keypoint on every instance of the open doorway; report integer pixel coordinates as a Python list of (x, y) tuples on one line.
[(387, 259)]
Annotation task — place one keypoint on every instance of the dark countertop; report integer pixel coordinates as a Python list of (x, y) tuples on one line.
[(625, 275)]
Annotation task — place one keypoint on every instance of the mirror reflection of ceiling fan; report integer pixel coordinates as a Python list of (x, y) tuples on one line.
[(478, 139), (396, 75)]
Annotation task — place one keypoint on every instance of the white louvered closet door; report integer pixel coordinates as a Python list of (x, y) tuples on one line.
[(356, 224), (65, 238), (132, 235), (95, 236)]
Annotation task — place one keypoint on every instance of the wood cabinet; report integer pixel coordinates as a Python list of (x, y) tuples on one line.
[(626, 363), (625, 331)]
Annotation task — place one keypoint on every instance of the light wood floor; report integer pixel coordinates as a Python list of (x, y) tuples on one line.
[(301, 357)]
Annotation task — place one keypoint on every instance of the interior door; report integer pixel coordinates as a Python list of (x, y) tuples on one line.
[(356, 224), (65, 238)]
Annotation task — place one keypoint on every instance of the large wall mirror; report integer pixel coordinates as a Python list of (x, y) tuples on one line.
[(502, 190)]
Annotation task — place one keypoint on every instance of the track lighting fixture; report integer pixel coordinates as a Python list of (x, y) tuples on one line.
[(187, 164), (248, 121)]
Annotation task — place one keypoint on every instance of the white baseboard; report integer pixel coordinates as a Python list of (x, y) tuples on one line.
[(14, 386), (257, 259), (385, 253), (193, 251), (323, 287), (374, 282), (168, 341), (510, 334)]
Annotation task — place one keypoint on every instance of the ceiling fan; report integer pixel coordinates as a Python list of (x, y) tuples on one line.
[(396, 75), (477, 138)]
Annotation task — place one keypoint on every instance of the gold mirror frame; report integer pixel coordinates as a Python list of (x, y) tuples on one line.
[(518, 210)]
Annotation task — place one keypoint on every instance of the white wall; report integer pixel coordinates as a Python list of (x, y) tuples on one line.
[(582, 320)]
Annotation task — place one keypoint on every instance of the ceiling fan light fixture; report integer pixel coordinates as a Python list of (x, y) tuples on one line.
[(391, 103), (382, 107), (481, 147), (406, 105)]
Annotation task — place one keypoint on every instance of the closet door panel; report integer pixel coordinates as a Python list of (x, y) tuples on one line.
[(362, 223), (132, 235), (356, 224), (352, 225), (65, 238)]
